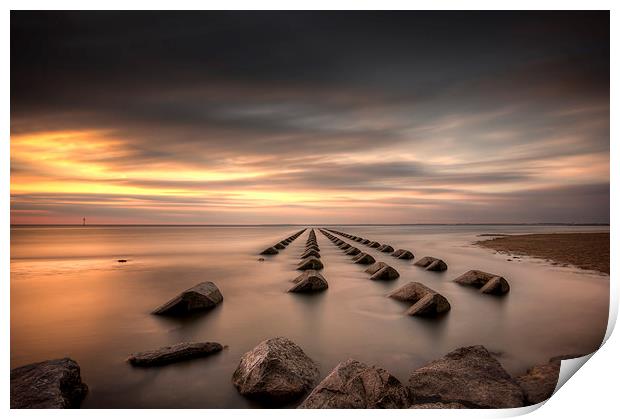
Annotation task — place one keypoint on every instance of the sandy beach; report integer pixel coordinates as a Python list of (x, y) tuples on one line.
[(584, 250)]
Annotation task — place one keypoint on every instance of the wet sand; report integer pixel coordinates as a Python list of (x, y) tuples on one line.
[(583, 250)]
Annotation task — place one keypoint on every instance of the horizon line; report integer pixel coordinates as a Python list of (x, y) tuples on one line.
[(302, 224)]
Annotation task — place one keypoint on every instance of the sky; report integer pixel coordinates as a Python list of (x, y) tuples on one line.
[(309, 117)]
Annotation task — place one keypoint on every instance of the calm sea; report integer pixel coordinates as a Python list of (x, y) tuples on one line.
[(70, 297)]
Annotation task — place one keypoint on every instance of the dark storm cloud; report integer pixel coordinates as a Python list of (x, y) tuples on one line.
[(365, 102)]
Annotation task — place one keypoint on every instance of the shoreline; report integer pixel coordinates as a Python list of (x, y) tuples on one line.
[(589, 251)]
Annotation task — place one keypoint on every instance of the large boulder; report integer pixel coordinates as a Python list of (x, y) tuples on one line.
[(469, 376), (275, 372), (540, 381), (169, 354), (438, 405), (381, 271), (309, 281), (53, 384), (432, 264), (425, 301), (269, 251), (203, 296), (354, 385), (310, 263), (486, 282), (364, 259)]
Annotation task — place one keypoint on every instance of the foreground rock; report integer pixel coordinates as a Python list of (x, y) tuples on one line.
[(354, 385), (432, 264), (310, 263), (203, 296), (469, 376), (175, 353), (403, 254), (54, 384), (276, 372), (426, 302), (540, 381), (486, 282), (380, 271), (309, 281)]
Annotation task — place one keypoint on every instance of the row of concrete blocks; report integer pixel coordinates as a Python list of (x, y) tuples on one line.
[(429, 263), (273, 250), (487, 283), (311, 280)]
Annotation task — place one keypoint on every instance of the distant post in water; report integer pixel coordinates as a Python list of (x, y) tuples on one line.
[(83, 221)]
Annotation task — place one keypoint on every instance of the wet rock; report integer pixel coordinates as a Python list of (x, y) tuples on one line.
[(353, 251), (354, 385), (432, 264), (309, 281), (374, 244), (269, 251), (380, 271), (203, 296), (53, 384), (438, 405), (175, 353), (469, 376), (276, 371), (310, 263), (425, 301), (311, 253), (486, 282), (344, 246), (363, 259), (279, 246), (386, 248), (365, 241), (398, 252), (313, 247)]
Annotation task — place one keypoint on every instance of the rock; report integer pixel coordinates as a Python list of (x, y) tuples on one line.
[(540, 381), (354, 385), (269, 251), (438, 405), (382, 271), (309, 281), (203, 296), (359, 239), (364, 259), (365, 241), (426, 302), (53, 384), (386, 248), (486, 282), (261, 259), (276, 371), (470, 376), (310, 263), (345, 246), (374, 244), (432, 264), (122, 260), (279, 246), (313, 247), (353, 251), (174, 353), (311, 253), (403, 254)]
